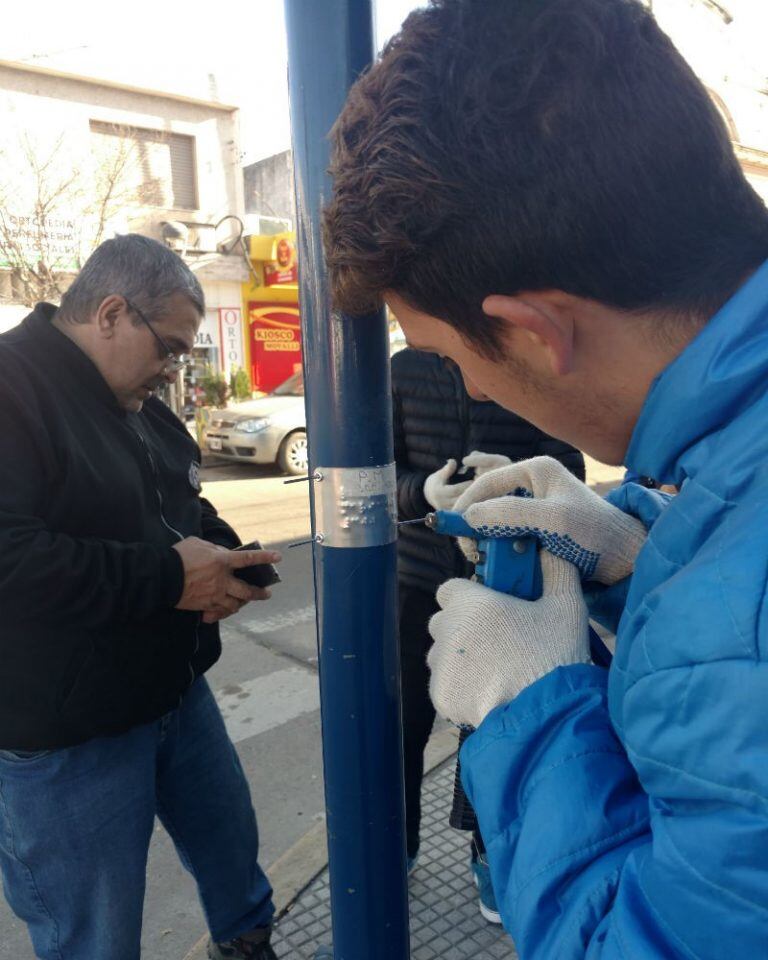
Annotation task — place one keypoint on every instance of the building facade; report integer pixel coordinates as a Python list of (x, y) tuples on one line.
[(268, 187), (728, 56), (271, 308), (83, 159)]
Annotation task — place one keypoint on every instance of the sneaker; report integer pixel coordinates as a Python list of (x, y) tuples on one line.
[(251, 946), (482, 875)]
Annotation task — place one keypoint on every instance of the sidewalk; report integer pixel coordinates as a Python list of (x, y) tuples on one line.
[(445, 919)]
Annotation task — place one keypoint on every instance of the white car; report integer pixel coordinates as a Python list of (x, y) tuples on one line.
[(272, 429)]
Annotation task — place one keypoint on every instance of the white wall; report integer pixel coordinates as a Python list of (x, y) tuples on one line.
[(11, 315), (52, 114), (729, 58)]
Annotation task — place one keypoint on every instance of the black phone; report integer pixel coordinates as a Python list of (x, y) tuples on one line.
[(259, 574)]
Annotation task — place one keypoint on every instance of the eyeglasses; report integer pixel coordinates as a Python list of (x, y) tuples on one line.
[(173, 361)]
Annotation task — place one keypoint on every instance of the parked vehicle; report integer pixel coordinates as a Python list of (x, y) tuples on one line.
[(272, 429)]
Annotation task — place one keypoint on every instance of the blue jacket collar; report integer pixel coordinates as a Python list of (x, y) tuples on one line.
[(720, 373)]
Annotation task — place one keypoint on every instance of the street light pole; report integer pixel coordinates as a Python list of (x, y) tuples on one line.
[(349, 421)]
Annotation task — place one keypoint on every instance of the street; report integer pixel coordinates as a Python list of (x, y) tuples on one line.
[(266, 685)]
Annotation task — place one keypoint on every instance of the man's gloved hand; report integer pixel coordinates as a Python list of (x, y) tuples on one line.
[(439, 493), (483, 463), (568, 519), (489, 646)]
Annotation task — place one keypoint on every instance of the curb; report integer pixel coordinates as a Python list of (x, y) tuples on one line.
[(292, 873)]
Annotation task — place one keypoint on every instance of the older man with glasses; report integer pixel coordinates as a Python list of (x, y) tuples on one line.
[(114, 573)]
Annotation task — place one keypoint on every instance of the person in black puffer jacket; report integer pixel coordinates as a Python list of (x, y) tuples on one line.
[(436, 420)]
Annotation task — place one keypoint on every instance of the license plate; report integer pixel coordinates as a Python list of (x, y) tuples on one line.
[(214, 443)]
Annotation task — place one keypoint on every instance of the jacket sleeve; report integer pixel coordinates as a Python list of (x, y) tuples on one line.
[(53, 576), (606, 603), (646, 839), (216, 530), (560, 810), (411, 503)]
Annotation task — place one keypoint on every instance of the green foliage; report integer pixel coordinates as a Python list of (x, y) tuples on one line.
[(240, 384), (215, 387)]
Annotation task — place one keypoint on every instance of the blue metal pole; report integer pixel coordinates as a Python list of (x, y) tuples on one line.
[(346, 369)]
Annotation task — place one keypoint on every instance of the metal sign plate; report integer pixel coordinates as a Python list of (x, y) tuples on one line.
[(356, 506)]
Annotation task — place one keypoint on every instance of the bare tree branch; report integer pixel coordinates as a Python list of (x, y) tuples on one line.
[(51, 210)]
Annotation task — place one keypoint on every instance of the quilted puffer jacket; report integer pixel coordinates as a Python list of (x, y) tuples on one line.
[(435, 420), (626, 811)]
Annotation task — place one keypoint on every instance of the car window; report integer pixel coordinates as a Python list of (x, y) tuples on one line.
[(292, 387)]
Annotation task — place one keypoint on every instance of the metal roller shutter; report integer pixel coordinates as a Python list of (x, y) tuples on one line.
[(163, 171)]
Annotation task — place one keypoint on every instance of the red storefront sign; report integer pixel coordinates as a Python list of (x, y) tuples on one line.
[(275, 337)]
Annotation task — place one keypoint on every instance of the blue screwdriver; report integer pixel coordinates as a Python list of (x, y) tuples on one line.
[(508, 564)]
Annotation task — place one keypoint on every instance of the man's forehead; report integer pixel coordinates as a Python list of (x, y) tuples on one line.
[(425, 333), (415, 323)]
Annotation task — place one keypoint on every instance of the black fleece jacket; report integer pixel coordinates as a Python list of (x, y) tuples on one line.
[(435, 420), (91, 500)]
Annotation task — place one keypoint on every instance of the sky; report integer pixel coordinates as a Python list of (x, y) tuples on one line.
[(177, 46), (238, 56)]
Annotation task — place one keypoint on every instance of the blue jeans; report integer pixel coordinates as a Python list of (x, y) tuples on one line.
[(75, 827)]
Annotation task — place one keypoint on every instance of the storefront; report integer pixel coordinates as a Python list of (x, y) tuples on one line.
[(220, 342), (271, 306), (275, 340), (271, 309)]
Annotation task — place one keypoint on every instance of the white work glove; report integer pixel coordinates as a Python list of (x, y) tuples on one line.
[(490, 646), (439, 493), (485, 462), (567, 518)]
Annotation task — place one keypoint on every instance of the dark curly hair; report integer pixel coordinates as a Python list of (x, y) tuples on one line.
[(508, 145)]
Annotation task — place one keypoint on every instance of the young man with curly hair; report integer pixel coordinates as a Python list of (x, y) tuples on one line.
[(543, 192)]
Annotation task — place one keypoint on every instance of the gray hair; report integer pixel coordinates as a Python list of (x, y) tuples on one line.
[(142, 270)]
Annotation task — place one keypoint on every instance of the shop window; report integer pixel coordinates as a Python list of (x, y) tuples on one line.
[(152, 168)]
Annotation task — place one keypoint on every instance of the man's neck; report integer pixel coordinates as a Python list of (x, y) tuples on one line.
[(624, 356), (63, 327)]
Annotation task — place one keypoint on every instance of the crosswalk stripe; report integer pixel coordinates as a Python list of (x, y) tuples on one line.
[(255, 706)]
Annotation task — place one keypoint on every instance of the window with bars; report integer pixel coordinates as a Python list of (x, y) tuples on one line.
[(156, 167)]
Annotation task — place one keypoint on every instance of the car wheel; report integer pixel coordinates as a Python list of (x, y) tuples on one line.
[(292, 457)]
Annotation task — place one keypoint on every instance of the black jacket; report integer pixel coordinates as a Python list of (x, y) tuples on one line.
[(435, 420), (91, 500)]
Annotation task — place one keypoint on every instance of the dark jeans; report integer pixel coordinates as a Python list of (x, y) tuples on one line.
[(75, 827)]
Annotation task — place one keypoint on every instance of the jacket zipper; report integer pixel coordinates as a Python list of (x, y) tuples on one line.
[(153, 467)]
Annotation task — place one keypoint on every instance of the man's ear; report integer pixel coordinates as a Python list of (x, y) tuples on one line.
[(108, 314), (542, 316)]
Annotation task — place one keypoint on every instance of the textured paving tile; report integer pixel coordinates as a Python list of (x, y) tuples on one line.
[(445, 919)]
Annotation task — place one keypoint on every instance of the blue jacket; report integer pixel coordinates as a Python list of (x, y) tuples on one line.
[(626, 811)]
